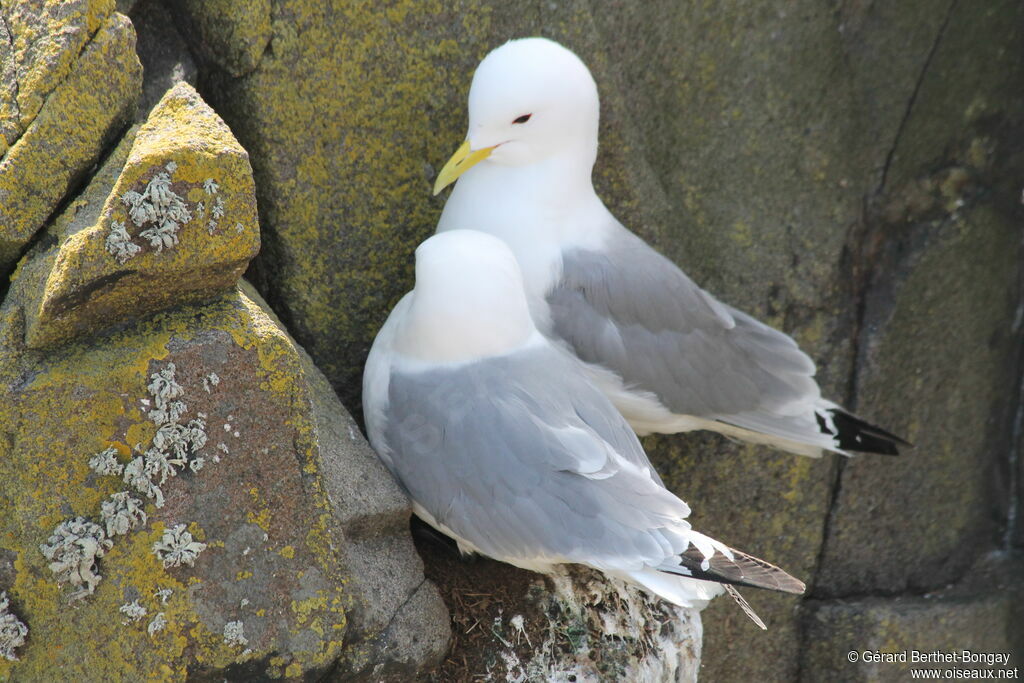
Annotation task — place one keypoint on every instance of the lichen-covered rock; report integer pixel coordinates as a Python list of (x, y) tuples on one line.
[(41, 42), (170, 218), (232, 36), (69, 129), (277, 546)]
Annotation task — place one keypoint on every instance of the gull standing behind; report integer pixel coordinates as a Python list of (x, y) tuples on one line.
[(670, 356), (503, 443)]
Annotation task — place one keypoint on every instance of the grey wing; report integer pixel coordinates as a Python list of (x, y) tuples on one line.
[(518, 466), (628, 308)]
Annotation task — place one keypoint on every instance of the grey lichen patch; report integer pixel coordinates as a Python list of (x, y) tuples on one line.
[(182, 440), (134, 611), (164, 235), (175, 446), (119, 243), (210, 381), (158, 624), (163, 595), (136, 476), (168, 412), (163, 210), (159, 465), (163, 386), (122, 513), (105, 463), (159, 207), (12, 630), (211, 188), (234, 634), (73, 549), (177, 547)]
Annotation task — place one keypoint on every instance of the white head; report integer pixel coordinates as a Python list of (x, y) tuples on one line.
[(468, 301), (531, 99)]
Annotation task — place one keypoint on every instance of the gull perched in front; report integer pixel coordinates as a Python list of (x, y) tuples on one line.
[(503, 443), (670, 356)]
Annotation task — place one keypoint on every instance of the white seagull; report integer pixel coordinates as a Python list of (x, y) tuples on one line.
[(503, 443), (670, 356)]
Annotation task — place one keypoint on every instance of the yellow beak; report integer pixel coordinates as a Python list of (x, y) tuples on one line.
[(463, 160)]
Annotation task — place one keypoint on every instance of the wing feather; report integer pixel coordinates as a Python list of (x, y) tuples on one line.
[(629, 309), (531, 469)]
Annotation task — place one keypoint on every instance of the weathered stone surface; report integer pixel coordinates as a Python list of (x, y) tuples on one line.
[(300, 520), (938, 349), (940, 353), (982, 617), (84, 283), (69, 131), (232, 37)]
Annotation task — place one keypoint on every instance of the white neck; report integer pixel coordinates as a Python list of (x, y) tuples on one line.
[(538, 209), (450, 322)]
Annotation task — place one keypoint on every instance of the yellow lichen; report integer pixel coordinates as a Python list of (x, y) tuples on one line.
[(32, 178), (92, 392)]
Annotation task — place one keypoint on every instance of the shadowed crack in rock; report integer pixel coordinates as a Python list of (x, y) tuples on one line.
[(913, 98), (1017, 428), (402, 606), (17, 82), (77, 298), (863, 267)]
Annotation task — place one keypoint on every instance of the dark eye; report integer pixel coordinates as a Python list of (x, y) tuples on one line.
[(523, 119)]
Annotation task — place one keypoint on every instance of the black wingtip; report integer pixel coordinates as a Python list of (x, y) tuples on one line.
[(856, 435), (741, 570)]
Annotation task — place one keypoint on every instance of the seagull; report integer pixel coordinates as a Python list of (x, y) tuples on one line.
[(503, 443), (669, 355)]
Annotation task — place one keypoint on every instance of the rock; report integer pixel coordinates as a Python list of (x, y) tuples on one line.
[(884, 534), (939, 349), (981, 617), (44, 40), (178, 193), (232, 37), (292, 557), (66, 130), (165, 58)]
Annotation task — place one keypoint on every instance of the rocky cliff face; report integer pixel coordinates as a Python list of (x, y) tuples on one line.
[(849, 172)]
